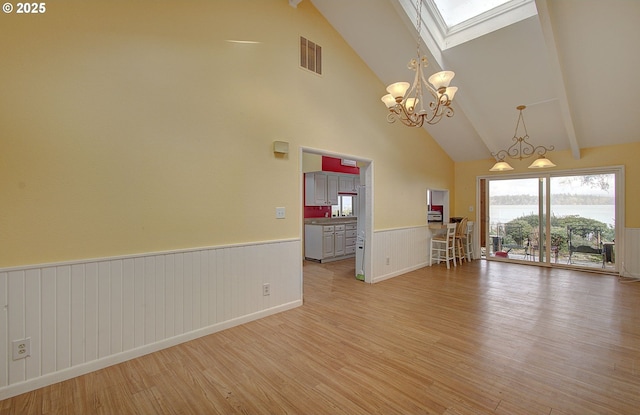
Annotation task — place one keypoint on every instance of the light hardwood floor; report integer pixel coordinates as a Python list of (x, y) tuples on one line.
[(481, 338)]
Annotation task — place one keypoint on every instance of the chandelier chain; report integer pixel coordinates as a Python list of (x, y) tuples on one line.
[(423, 101), (521, 118), (419, 26)]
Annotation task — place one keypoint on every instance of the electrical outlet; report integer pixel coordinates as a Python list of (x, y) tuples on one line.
[(266, 289), (388, 260), (21, 348), (280, 213)]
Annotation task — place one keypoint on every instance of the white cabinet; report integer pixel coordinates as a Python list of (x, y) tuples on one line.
[(350, 238), (323, 242), (328, 244), (338, 240), (332, 189), (315, 189), (320, 189), (318, 242), (348, 183)]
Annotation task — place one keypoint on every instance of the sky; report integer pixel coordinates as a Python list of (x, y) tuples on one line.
[(458, 11)]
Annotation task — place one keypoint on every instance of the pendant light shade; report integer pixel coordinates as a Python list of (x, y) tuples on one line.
[(441, 79), (501, 166), (541, 163)]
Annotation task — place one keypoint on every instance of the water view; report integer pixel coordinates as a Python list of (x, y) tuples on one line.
[(506, 213), (582, 226)]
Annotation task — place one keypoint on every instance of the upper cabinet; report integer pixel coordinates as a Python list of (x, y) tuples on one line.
[(348, 183), (322, 188), (332, 189), (316, 189)]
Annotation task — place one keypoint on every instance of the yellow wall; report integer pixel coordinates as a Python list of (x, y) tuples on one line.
[(619, 155), (131, 127)]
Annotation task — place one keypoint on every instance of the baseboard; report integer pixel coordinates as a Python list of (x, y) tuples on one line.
[(82, 369), (399, 272)]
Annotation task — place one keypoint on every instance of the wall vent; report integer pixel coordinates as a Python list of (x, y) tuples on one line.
[(310, 55)]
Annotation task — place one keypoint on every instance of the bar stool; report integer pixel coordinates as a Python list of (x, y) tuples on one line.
[(444, 244), (469, 240), (461, 232)]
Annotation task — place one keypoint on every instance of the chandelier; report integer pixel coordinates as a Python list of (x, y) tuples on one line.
[(411, 104), (521, 149)]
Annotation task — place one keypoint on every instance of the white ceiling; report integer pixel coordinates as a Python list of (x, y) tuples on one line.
[(574, 65)]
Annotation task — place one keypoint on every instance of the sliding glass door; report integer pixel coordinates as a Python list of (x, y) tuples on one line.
[(552, 219), (516, 218), (584, 213)]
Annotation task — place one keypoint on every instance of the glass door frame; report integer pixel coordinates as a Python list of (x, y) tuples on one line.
[(544, 204)]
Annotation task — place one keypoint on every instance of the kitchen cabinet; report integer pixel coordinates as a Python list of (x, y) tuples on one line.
[(320, 189), (332, 189), (329, 242), (338, 240), (350, 238), (348, 183)]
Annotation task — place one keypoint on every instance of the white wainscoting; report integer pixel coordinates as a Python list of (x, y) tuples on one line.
[(630, 264), (86, 315), (406, 248)]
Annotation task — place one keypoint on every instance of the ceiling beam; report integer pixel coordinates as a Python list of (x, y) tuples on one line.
[(556, 69)]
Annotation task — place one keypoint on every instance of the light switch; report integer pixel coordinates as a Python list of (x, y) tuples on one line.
[(280, 213)]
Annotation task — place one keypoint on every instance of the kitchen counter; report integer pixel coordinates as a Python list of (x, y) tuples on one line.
[(330, 221), (330, 239)]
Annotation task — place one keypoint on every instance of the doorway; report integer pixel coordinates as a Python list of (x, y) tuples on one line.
[(437, 206), (564, 219), (363, 262)]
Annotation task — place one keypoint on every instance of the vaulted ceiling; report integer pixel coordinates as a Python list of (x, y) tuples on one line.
[(574, 65)]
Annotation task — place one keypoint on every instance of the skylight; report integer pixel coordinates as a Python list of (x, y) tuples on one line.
[(454, 12), (453, 22)]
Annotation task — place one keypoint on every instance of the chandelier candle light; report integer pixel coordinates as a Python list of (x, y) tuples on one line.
[(521, 149), (407, 103)]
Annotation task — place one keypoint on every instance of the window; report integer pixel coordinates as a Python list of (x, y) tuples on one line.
[(453, 22), (456, 12), (345, 206)]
